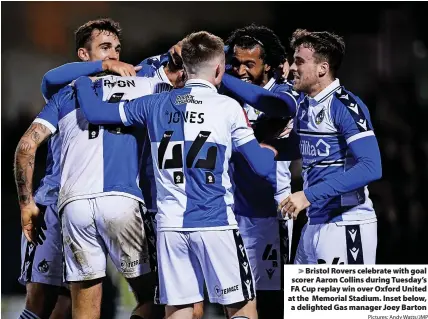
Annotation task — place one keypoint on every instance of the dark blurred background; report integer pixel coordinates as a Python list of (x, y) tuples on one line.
[(386, 64)]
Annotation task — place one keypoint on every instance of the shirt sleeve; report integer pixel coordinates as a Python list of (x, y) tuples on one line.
[(57, 78), (261, 160), (100, 112), (367, 169), (278, 104), (95, 109), (351, 118), (49, 114), (283, 179), (150, 65), (136, 111), (241, 130)]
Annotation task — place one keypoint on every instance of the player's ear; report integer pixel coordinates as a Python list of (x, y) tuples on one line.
[(218, 74), (217, 71), (83, 54), (267, 68), (181, 78), (323, 69), (184, 74)]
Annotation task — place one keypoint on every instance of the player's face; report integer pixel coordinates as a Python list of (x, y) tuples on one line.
[(105, 45), (305, 70), (248, 65)]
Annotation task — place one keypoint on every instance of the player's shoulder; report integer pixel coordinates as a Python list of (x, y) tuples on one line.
[(282, 86), (157, 84), (155, 61), (64, 94), (345, 99), (228, 103), (159, 95), (151, 64), (347, 104)]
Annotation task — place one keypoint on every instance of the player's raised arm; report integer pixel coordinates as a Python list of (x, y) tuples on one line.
[(101, 112), (39, 131), (273, 104), (59, 77)]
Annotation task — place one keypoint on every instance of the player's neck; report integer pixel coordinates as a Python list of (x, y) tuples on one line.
[(320, 86), (265, 80), (201, 76)]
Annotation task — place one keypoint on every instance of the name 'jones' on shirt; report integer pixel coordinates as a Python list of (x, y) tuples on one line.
[(187, 117)]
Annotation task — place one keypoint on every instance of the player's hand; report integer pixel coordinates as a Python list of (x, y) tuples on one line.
[(33, 223), (283, 70), (273, 149), (294, 204), (121, 68)]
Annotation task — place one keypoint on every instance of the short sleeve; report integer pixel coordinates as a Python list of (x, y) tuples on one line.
[(351, 117), (49, 115), (241, 130)]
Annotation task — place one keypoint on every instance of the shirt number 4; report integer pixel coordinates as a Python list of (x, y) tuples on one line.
[(177, 153)]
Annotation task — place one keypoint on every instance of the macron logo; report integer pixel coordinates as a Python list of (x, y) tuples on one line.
[(354, 252), (242, 250), (245, 265), (353, 107), (270, 272), (353, 233), (362, 123)]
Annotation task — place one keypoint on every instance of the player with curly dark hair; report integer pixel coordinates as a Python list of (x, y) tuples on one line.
[(254, 54)]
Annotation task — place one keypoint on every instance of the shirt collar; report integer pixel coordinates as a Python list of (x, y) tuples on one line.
[(200, 83), (270, 83), (162, 75), (320, 97)]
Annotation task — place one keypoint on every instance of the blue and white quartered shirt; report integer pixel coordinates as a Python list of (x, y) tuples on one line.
[(97, 160), (327, 124)]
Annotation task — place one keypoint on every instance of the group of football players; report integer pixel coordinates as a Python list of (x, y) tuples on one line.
[(179, 170)]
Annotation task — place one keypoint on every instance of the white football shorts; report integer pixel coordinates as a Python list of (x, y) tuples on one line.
[(188, 259), (93, 228), (336, 243)]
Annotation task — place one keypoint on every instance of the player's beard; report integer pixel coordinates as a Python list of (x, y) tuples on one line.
[(303, 84)]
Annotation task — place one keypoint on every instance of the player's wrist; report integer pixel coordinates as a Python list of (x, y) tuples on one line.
[(25, 203), (309, 196), (106, 65)]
